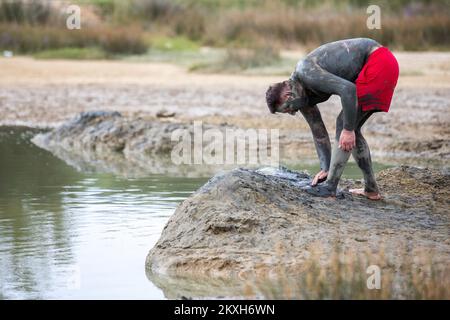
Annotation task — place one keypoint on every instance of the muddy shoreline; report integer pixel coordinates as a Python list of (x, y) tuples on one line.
[(414, 132), (142, 104), (46, 94), (260, 223)]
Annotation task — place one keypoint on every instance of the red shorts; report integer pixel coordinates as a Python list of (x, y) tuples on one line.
[(377, 80)]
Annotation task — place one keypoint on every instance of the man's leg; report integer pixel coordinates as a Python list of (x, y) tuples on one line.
[(339, 159), (361, 154)]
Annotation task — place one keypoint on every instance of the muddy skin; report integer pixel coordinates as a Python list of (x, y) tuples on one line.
[(339, 158), (320, 134), (361, 154), (332, 69)]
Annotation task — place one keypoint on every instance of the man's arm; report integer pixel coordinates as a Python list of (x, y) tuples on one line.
[(316, 78), (320, 135)]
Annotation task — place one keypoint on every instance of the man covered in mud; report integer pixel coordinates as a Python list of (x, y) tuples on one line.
[(364, 75)]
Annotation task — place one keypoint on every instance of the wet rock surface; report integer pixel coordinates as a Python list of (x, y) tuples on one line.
[(254, 222)]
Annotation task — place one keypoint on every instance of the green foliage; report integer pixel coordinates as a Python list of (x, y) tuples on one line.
[(27, 38), (73, 53), (122, 26), (32, 12), (406, 24)]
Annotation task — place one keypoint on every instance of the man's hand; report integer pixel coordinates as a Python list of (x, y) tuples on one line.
[(347, 140), (320, 177)]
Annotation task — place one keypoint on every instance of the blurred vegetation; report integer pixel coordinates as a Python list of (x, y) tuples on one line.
[(28, 26), (177, 43), (405, 273), (122, 27), (28, 38), (237, 59), (73, 53)]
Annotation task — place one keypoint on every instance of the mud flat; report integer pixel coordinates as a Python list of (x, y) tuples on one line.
[(133, 145), (46, 94), (260, 222), (248, 222), (104, 141)]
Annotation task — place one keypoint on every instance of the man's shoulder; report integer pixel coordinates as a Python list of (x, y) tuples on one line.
[(301, 69), (306, 71)]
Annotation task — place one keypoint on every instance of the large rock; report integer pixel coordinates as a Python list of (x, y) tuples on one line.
[(258, 221)]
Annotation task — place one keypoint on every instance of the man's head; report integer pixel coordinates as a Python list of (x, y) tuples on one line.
[(286, 97)]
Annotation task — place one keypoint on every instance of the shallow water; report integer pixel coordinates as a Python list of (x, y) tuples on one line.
[(66, 234), (69, 234)]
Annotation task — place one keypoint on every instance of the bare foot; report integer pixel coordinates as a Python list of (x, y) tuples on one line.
[(368, 195)]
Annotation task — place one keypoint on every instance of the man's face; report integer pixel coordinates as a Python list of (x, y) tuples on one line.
[(289, 99)]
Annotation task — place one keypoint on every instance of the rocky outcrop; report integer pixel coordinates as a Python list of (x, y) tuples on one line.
[(104, 131), (108, 142), (258, 221)]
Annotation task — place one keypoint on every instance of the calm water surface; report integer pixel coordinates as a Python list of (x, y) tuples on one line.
[(69, 234), (66, 234)]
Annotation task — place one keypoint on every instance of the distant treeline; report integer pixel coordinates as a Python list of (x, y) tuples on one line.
[(125, 26)]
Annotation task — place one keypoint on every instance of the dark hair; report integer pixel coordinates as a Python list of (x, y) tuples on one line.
[(273, 95)]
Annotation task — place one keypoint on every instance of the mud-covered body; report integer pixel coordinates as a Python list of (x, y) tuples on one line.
[(332, 69)]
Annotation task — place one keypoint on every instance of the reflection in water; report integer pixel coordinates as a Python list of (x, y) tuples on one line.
[(179, 287), (65, 234)]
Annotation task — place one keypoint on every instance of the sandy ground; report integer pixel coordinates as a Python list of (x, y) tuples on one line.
[(43, 93)]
